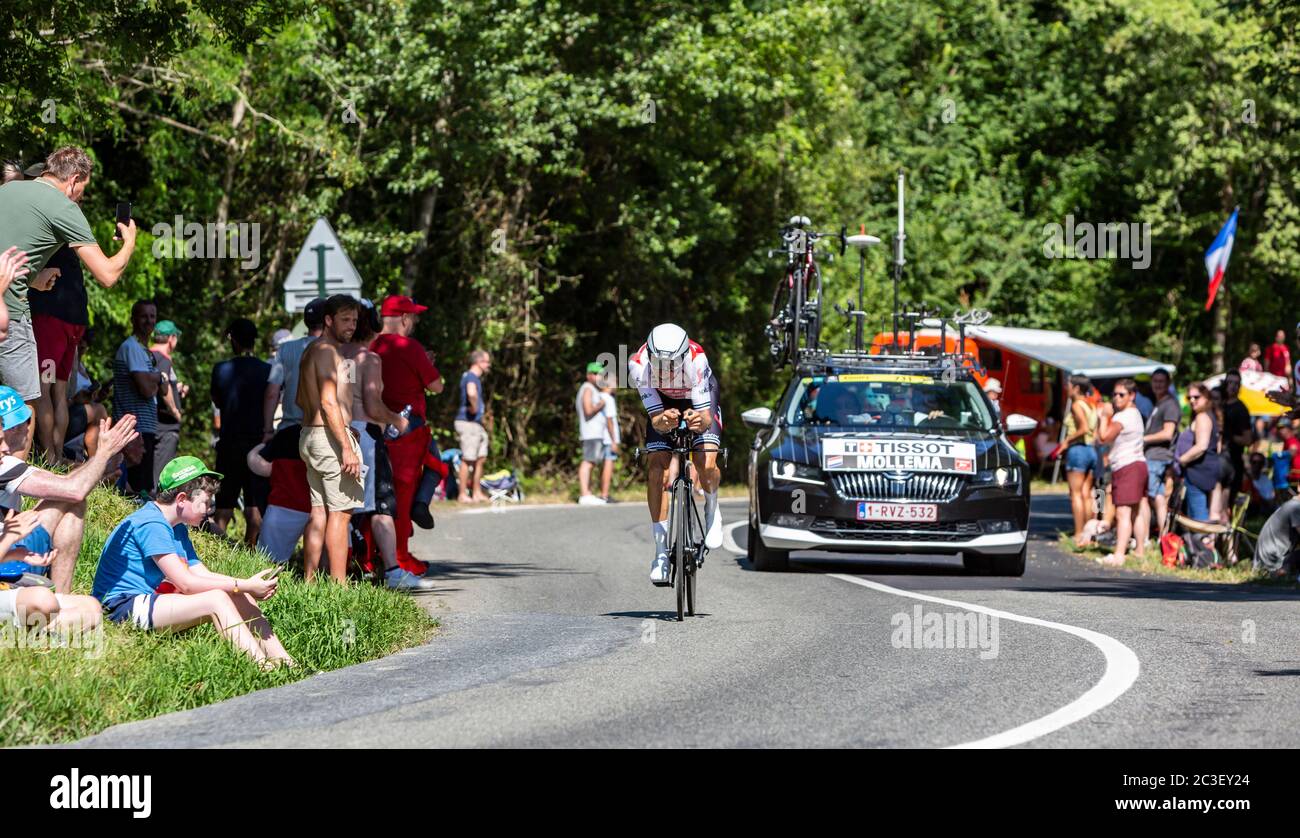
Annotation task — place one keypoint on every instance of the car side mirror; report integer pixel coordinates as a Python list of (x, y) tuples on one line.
[(1020, 425), (757, 417)]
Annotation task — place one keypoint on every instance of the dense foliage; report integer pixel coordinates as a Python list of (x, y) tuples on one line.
[(555, 177)]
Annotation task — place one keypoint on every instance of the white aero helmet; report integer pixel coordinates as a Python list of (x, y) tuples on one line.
[(667, 342)]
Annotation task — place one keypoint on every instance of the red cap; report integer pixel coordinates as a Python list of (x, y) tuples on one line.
[(395, 305)]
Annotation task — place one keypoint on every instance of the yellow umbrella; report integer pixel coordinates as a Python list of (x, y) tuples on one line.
[(1254, 386), (1259, 404)]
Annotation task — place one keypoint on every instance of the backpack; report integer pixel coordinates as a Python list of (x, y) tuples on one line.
[(1200, 550), (1173, 552)]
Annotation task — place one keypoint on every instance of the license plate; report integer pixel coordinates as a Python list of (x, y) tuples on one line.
[(923, 512)]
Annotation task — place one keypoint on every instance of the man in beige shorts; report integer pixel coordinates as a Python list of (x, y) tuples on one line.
[(472, 422), (328, 445)]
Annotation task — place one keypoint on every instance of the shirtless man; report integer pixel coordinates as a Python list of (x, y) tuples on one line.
[(329, 446), (370, 416)]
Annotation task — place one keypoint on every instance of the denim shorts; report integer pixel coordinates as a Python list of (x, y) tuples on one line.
[(1198, 502), (1156, 476), (1081, 457)]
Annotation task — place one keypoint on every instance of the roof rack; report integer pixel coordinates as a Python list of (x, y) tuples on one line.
[(917, 315)]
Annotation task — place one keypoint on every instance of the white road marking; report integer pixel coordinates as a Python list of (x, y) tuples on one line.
[(1122, 669), (728, 540), (518, 507), (1122, 665)]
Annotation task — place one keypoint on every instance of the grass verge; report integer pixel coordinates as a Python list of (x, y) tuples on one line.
[(1149, 563), (54, 694)]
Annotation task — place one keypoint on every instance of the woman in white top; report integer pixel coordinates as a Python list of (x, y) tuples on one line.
[(1123, 432)]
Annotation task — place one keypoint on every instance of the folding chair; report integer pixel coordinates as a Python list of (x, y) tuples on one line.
[(1228, 538), (502, 487)]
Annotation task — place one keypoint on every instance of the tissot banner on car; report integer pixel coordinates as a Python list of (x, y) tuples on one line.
[(898, 455)]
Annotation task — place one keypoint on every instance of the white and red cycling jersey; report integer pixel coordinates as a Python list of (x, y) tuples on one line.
[(689, 379)]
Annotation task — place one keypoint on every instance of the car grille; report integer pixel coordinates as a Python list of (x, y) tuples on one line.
[(876, 485), (897, 530)]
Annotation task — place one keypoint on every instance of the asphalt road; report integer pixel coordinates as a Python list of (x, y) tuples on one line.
[(553, 636)]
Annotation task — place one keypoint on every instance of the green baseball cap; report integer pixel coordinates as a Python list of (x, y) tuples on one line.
[(166, 328), (596, 367), (182, 470)]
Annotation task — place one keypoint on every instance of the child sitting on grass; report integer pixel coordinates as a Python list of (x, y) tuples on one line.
[(152, 546)]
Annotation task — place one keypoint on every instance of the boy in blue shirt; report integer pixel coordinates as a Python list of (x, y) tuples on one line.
[(150, 576)]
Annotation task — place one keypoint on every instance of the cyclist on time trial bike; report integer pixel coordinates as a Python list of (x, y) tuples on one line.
[(672, 374)]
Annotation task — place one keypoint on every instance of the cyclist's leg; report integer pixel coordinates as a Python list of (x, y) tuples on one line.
[(659, 459), (705, 457), (657, 484), (706, 466), (657, 499)]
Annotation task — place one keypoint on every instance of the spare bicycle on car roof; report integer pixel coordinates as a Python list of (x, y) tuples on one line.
[(794, 325)]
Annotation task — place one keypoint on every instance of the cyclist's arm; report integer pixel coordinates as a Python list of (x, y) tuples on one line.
[(661, 419), (702, 397), (650, 399)]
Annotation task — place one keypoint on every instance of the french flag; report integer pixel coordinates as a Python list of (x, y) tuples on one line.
[(1216, 258)]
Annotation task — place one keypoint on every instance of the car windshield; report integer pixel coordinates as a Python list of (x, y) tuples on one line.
[(918, 402)]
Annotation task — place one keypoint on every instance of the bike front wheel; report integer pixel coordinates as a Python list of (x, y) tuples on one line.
[(681, 531), (690, 589), (812, 319)]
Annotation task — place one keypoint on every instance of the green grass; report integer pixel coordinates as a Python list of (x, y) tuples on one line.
[(1041, 486), (1149, 563), (56, 694)]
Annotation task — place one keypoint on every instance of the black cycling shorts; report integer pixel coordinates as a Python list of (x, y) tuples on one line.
[(655, 441)]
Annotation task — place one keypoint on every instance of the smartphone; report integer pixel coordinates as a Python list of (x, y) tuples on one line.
[(123, 215), (275, 571)]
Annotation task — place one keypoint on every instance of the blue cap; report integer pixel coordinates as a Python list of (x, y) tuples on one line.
[(13, 410)]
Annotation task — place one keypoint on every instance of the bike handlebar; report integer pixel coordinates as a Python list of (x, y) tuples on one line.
[(789, 233)]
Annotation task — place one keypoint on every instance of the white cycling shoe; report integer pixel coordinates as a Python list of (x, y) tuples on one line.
[(660, 575), (713, 535)]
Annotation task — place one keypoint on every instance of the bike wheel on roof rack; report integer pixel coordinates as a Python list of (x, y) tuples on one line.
[(780, 322), (813, 326)]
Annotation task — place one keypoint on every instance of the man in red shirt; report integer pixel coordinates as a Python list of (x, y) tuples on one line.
[(1290, 444), (1277, 358), (408, 373)]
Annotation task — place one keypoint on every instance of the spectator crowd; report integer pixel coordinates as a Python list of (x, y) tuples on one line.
[(1148, 463), (326, 444)]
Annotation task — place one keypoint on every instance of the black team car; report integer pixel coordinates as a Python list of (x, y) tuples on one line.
[(872, 455)]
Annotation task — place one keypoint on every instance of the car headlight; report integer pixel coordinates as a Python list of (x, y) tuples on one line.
[(796, 472), (1005, 477)]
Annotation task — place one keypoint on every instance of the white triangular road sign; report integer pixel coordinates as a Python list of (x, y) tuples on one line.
[(321, 254)]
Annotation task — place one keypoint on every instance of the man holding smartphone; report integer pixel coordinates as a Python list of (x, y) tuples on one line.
[(40, 217)]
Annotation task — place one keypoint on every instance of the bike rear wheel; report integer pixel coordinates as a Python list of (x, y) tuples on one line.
[(781, 320)]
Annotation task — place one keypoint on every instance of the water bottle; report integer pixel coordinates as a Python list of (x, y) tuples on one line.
[(391, 431)]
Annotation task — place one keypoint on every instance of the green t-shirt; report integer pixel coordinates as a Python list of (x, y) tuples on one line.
[(37, 218)]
